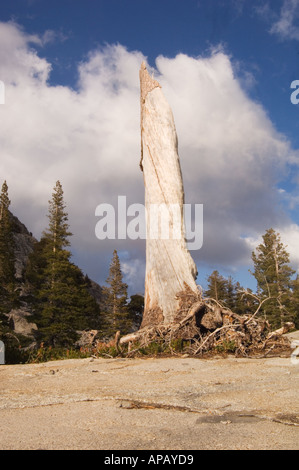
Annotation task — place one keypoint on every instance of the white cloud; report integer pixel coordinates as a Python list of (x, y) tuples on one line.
[(231, 154), (89, 139), (290, 237), (50, 36), (286, 26), (131, 270), (20, 64)]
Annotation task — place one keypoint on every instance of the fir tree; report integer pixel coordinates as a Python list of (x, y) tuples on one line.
[(295, 301), (216, 287), (116, 298), (273, 275), (7, 256), (136, 308), (244, 304), (230, 294), (58, 289)]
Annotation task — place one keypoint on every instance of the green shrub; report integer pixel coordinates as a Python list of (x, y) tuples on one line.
[(45, 354), (226, 346)]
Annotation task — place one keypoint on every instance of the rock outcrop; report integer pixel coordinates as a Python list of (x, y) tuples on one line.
[(19, 318), (24, 243), (19, 321), (96, 291)]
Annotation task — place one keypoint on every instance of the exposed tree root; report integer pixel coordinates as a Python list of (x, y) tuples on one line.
[(207, 326)]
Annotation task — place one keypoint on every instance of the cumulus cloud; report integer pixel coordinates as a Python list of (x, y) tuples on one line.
[(132, 269), (290, 237), (232, 156), (89, 138)]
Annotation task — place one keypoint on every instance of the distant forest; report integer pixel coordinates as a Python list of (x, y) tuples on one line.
[(60, 301), (54, 291)]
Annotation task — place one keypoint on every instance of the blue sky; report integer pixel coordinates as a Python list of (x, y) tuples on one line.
[(251, 51), (170, 27)]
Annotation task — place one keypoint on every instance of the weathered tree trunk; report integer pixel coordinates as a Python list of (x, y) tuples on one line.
[(169, 266)]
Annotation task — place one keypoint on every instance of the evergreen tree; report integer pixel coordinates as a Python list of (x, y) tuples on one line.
[(230, 294), (7, 256), (135, 308), (295, 301), (216, 287), (116, 298), (59, 292), (244, 304), (273, 275), (58, 230)]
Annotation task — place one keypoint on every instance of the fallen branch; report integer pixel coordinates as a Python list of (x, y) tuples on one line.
[(117, 339), (209, 336), (194, 310), (281, 331)]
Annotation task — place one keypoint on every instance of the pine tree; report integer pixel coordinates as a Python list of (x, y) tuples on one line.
[(295, 301), (7, 256), (244, 304), (136, 308), (58, 230), (230, 294), (59, 293), (116, 298), (273, 275), (216, 287)]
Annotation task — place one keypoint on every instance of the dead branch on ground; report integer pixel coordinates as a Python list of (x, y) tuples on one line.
[(205, 325)]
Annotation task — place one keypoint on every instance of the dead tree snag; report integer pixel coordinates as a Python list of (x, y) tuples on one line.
[(169, 266)]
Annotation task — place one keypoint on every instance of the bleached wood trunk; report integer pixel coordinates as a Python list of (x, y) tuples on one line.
[(169, 266)]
